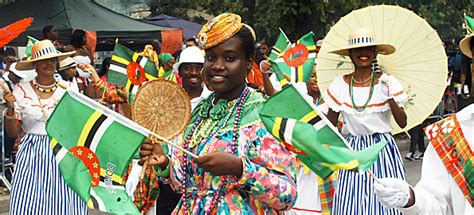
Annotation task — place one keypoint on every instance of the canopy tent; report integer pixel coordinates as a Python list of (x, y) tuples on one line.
[(190, 29), (67, 15)]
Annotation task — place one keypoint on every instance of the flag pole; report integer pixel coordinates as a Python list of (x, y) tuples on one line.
[(174, 145), (145, 165), (373, 176)]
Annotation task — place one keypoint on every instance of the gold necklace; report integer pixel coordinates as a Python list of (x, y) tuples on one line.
[(360, 82)]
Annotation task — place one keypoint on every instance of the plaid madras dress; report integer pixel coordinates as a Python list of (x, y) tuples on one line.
[(454, 151)]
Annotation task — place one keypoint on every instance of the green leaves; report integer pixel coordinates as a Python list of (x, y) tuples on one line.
[(299, 17)]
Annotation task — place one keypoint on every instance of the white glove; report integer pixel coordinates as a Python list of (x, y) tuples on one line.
[(392, 192), (133, 178), (384, 82)]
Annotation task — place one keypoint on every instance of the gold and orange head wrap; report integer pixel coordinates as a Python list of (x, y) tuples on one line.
[(220, 29)]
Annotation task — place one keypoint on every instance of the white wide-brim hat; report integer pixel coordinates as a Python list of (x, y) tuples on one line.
[(68, 62), (42, 50), (363, 37), (24, 74), (465, 45), (191, 54)]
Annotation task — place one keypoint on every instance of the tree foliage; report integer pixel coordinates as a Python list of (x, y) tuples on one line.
[(301, 16)]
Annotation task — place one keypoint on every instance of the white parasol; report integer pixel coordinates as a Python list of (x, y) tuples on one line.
[(419, 63)]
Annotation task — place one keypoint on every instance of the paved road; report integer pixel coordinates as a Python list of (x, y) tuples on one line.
[(413, 169)]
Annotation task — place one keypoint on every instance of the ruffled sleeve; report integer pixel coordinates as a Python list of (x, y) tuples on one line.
[(397, 91), (269, 170), (331, 96)]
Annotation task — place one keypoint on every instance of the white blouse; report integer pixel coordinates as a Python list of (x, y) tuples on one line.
[(375, 118), (29, 110)]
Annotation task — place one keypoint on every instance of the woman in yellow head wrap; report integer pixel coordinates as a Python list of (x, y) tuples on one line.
[(241, 168)]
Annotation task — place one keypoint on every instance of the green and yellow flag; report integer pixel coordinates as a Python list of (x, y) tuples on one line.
[(280, 46), (302, 129), (297, 60), (130, 70), (469, 23), (29, 45), (93, 146)]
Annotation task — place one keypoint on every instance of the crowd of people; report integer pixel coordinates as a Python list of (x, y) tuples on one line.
[(241, 168)]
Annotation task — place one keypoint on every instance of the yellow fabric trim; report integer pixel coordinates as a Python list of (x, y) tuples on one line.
[(313, 47), (87, 128), (284, 82), (309, 116), (120, 60), (90, 204), (300, 72), (150, 77), (53, 143), (115, 177), (347, 166), (276, 127), (135, 57)]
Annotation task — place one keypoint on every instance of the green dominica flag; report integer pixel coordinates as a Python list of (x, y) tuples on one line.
[(297, 60), (29, 45), (93, 147), (130, 70), (469, 23), (303, 130), (281, 45)]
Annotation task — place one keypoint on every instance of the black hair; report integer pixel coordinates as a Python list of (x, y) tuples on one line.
[(248, 42), (46, 30), (77, 38), (264, 43), (105, 66), (193, 39), (259, 56), (7, 51)]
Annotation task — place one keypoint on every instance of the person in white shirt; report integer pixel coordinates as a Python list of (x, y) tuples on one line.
[(189, 68), (446, 184), (12, 76)]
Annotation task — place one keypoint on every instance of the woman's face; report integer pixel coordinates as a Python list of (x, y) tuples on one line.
[(226, 68), (46, 67), (168, 65), (362, 57)]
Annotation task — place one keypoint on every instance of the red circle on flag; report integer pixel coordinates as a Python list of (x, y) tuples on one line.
[(296, 56), (90, 160), (292, 148), (133, 76)]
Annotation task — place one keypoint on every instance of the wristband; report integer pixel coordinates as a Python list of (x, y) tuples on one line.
[(10, 117)]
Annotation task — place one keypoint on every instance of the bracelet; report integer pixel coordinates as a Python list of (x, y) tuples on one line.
[(10, 117)]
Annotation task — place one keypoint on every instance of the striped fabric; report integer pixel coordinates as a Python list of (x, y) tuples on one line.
[(453, 149), (46, 50), (37, 186), (359, 40), (355, 192)]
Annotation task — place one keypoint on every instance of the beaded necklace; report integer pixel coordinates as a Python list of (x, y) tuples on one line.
[(351, 91), (45, 114), (221, 190), (45, 89)]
